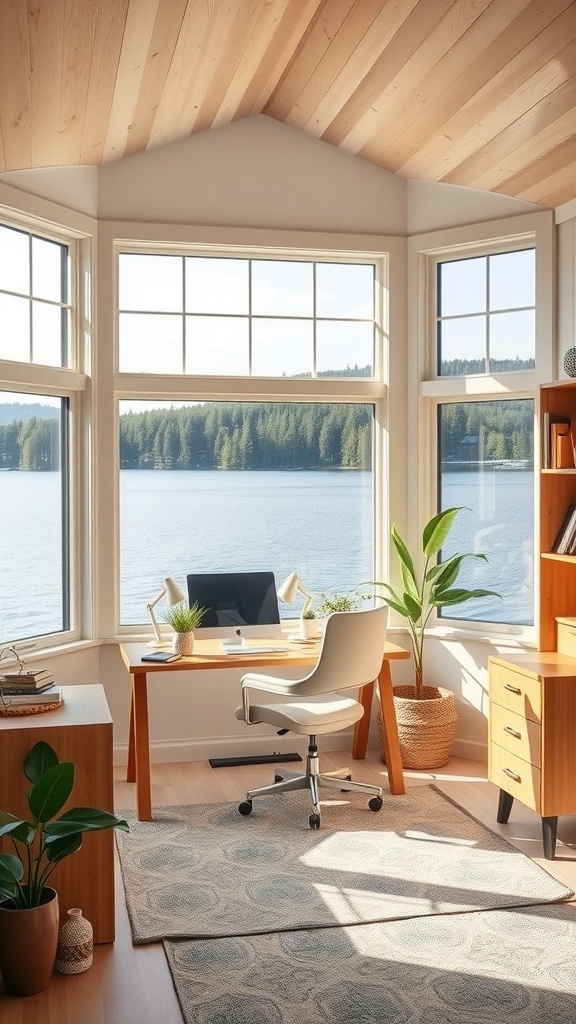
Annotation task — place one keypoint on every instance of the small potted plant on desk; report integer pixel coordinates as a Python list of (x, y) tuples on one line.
[(426, 715), (184, 620), (29, 915), (308, 624)]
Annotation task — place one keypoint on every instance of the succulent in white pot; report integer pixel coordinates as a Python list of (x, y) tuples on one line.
[(184, 619)]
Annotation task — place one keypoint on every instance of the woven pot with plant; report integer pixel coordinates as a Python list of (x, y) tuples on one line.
[(426, 715)]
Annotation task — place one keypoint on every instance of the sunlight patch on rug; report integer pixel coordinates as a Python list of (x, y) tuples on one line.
[(206, 871)]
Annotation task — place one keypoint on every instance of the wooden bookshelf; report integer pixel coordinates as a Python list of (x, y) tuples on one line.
[(557, 490)]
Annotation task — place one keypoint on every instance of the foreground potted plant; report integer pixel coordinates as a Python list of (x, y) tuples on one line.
[(308, 624), (426, 715), (184, 620), (29, 915)]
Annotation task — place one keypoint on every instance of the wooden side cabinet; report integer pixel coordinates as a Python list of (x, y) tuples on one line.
[(531, 750), (79, 731)]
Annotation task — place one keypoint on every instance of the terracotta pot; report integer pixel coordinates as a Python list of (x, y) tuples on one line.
[(28, 941), (426, 728)]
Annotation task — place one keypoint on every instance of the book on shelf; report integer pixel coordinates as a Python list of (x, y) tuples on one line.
[(13, 687), (566, 533), (561, 451), (30, 678), (52, 696), (549, 420)]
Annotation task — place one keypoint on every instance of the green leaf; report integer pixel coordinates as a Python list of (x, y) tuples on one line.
[(18, 829), (39, 760), (11, 869), (405, 557), (57, 849), (437, 530), (47, 796), (457, 596), (83, 819), (414, 607)]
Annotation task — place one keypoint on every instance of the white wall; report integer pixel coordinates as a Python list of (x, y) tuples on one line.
[(262, 175)]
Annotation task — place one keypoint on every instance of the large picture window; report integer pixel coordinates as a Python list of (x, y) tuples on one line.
[(221, 486)]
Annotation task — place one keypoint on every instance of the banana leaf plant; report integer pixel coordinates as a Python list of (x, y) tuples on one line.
[(434, 587), (42, 842)]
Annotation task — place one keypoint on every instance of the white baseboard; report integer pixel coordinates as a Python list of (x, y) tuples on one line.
[(174, 751)]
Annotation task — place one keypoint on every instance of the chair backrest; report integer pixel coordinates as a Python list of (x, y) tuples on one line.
[(351, 653)]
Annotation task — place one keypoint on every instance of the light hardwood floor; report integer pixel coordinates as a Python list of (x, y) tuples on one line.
[(131, 985)]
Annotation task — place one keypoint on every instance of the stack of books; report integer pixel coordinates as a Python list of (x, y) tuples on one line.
[(30, 686), (565, 543)]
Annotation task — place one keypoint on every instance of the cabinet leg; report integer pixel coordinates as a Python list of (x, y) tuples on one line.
[(549, 830), (505, 801)]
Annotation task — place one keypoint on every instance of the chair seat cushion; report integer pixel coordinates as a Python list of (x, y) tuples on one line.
[(321, 714)]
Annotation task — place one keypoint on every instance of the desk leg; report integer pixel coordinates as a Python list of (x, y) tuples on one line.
[(141, 747), (390, 730), (362, 727), (131, 766)]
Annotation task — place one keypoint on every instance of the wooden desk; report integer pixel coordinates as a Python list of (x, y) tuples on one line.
[(79, 731), (208, 655)]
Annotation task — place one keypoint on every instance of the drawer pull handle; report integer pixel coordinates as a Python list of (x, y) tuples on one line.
[(511, 774), (516, 735), (513, 689)]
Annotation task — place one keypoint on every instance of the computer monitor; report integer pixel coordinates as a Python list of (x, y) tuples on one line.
[(239, 604)]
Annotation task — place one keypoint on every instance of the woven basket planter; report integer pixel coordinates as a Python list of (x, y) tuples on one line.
[(426, 728)]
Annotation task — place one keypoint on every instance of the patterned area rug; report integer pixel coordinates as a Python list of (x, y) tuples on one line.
[(204, 871), (480, 968)]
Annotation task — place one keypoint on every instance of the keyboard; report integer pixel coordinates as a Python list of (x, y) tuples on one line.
[(240, 649)]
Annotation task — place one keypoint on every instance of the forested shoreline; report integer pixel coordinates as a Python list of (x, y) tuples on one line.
[(274, 436)]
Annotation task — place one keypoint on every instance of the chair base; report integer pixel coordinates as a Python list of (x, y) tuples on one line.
[(287, 781)]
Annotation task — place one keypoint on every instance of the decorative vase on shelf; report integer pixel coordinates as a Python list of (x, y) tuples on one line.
[(570, 362), (75, 951), (183, 643)]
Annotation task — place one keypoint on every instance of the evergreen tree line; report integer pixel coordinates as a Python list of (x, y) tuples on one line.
[(273, 436), (248, 436), (32, 444), (488, 431)]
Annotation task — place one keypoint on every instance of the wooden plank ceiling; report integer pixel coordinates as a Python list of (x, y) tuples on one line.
[(473, 92)]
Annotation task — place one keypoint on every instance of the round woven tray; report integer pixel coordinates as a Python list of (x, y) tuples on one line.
[(15, 710)]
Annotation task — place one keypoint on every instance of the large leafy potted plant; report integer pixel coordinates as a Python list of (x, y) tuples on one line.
[(29, 915), (426, 715)]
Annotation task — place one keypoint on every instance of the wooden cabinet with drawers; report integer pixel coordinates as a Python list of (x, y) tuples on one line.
[(532, 741), (532, 748)]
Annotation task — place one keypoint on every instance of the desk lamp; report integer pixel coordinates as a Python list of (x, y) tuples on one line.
[(175, 596), (288, 591)]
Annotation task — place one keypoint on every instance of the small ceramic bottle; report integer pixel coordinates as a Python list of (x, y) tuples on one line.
[(75, 944)]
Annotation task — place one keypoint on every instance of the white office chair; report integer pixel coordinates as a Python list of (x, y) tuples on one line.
[(350, 656)]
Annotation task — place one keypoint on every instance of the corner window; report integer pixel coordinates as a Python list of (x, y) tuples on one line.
[(486, 313), (486, 465), (35, 534), (34, 298)]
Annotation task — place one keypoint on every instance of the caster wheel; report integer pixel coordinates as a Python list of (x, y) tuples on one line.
[(245, 807), (314, 821), (375, 803)]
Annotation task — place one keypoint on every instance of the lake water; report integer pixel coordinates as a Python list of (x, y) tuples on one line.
[(318, 524)]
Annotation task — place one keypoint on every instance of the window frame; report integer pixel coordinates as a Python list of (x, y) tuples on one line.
[(70, 383), (427, 390), (389, 260)]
